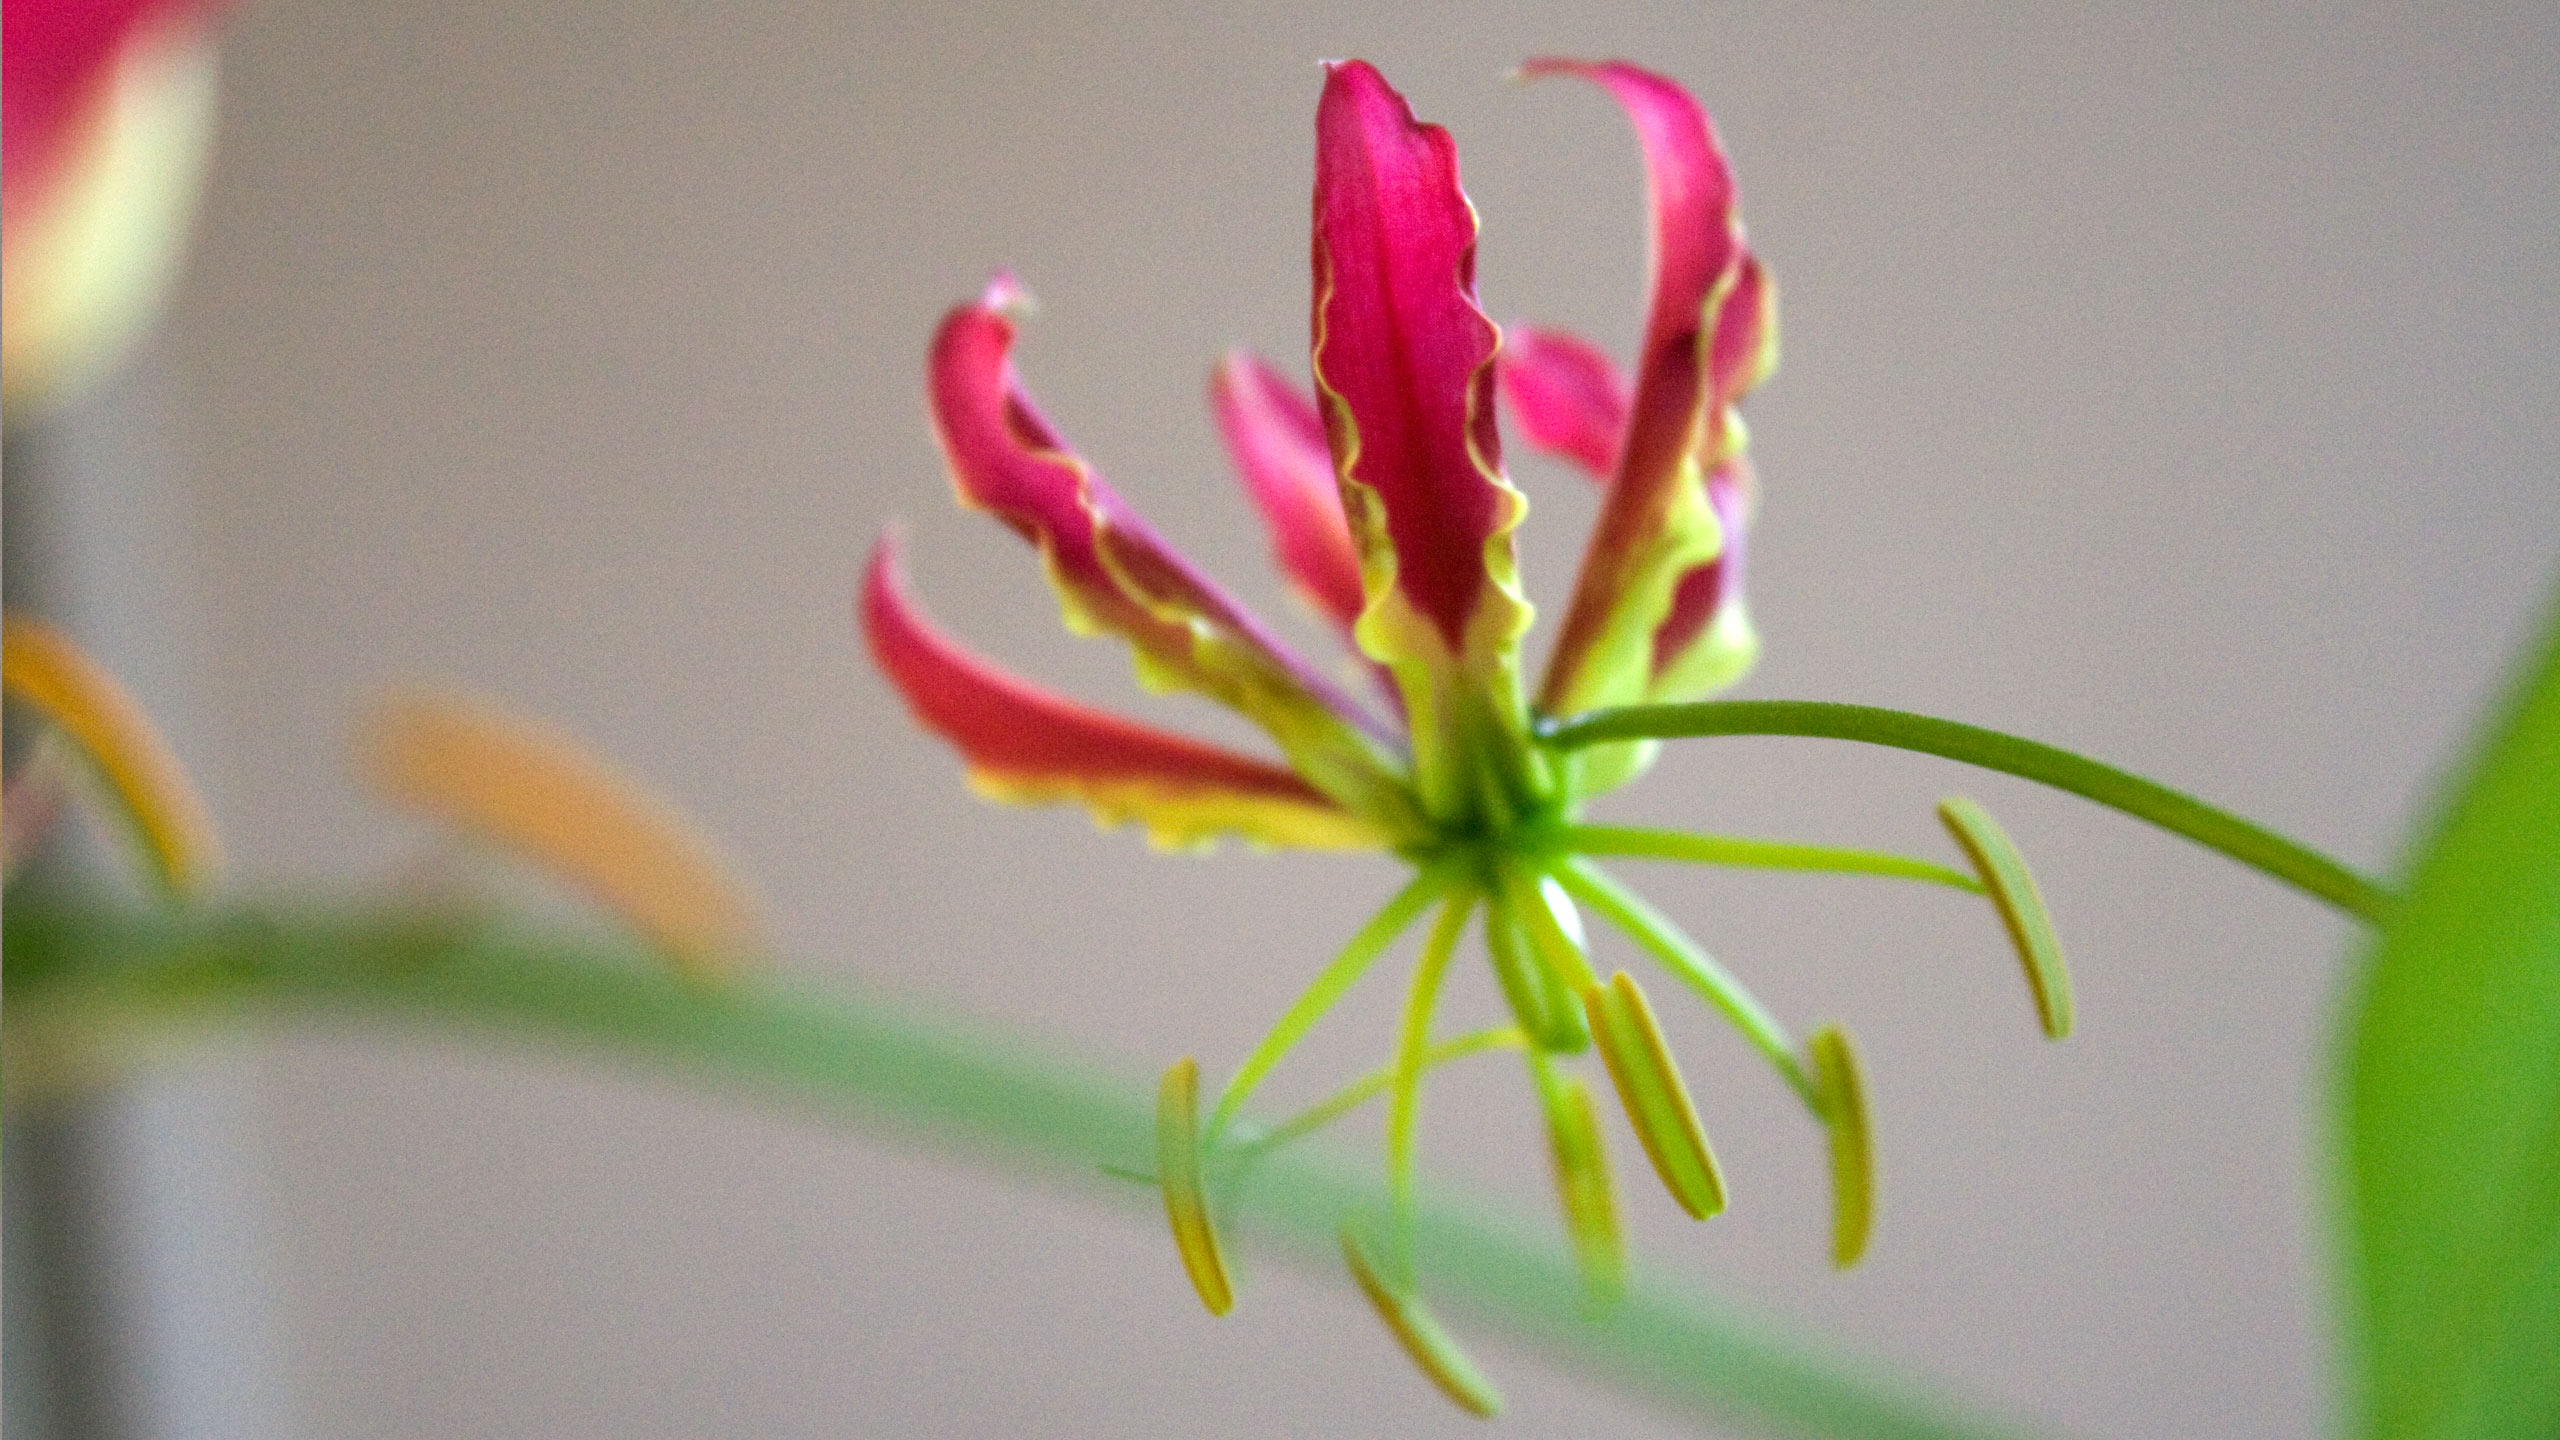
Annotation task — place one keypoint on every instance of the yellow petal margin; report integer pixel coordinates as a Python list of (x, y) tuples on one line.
[(532, 789), (41, 668)]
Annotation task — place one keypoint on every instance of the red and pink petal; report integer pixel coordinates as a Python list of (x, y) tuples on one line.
[(1277, 440), (1114, 575), (1029, 745), (1709, 336), (1403, 359), (1566, 396)]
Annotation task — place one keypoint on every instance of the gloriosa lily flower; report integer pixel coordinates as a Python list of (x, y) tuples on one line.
[(1391, 516)]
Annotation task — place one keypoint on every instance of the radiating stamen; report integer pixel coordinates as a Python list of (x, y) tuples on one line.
[(2012, 890), (1546, 1010), (1853, 1166), (1419, 1332), (1656, 1099), (1372, 1085), (1337, 977), (1636, 842), (1413, 1042), (1582, 1178), (1695, 968), (1186, 1208)]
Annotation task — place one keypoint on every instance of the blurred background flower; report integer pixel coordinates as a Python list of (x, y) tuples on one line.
[(109, 119)]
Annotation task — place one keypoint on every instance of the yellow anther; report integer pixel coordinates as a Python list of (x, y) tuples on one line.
[(1582, 1183), (2013, 893), (532, 789), (1853, 1163), (40, 667), (1186, 1208), (1419, 1332), (1657, 1101)]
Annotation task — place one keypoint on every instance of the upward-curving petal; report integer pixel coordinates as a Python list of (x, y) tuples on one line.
[(1027, 745), (1709, 336), (1114, 575), (1277, 440), (1567, 396), (1404, 375)]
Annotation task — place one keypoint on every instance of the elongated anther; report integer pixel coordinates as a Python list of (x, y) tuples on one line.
[(533, 789), (1582, 1184), (1419, 1332), (1186, 1209), (40, 667), (1657, 1101), (2013, 893), (1853, 1161)]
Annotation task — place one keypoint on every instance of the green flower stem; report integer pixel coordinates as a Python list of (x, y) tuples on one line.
[(1413, 1043), (79, 976), (1370, 1086), (1636, 843), (2249, 843), (1681, 956), (1337, 977)]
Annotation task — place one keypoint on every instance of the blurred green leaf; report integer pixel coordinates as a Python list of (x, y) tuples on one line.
[(2449, 1140)]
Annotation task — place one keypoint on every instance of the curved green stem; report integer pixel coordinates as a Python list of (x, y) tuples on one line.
[(1638, 843), (2246, 841), (1680, 955), (79, 977)]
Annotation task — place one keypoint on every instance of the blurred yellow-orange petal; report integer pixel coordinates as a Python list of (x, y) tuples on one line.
[(531, 789), (42, 669)]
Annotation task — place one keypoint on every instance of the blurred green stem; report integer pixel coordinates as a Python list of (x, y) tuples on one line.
[(80, 976)]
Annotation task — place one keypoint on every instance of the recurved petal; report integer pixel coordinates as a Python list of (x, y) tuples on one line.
[(1114, 575), (1277, 440), (1567, 396), (1027, 745), (1404, 377), (1709, 334)]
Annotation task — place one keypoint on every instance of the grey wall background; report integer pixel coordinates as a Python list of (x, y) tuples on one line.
[(2170, 383)]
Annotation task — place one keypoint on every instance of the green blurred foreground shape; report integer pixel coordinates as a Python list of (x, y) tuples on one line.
[(79, 974), (2447, 1145)]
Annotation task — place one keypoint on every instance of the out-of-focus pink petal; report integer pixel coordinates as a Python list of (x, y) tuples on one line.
[(56, 62), (1567, 396), (1114, 575), (1277, 440), (1028, 745), (1709, 334), (1404, 377)]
